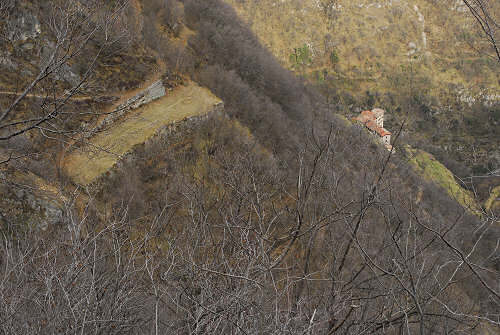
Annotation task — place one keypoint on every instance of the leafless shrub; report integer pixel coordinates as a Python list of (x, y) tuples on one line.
[(6, 8), (72, 30), (72, 281), (150, 33), (318, 231)]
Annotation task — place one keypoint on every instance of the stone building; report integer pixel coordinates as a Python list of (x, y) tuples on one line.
[(374, 121)]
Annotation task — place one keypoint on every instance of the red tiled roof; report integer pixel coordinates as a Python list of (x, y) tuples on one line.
[(371, 125), (379, 130), (368, 119), (365, 116)]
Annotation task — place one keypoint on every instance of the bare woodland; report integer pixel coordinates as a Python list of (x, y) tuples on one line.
[(306, 227)]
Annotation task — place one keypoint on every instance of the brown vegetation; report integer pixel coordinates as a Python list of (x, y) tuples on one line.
[(281, 218)]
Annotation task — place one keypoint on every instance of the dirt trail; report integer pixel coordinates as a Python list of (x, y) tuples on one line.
[(40, 96)]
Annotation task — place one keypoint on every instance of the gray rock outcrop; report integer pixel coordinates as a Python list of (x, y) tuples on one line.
[(25, 206), (150, 94)]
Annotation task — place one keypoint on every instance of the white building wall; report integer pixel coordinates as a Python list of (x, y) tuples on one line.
[(379, 117)]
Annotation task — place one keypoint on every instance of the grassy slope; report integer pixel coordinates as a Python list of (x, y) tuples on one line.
[(430, 168), (107, 147), (371, 37), (372, 41), (493, 203)]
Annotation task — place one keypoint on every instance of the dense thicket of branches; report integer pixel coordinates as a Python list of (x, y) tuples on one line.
[(304, 226), (64, 61), (72, 31)]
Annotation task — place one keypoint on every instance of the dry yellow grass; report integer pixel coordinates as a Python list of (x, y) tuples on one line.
[(106, 148), (493, 202), (371, 38)]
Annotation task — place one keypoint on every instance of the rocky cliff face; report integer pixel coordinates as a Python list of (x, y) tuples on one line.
[(26, 46), (27, 202)]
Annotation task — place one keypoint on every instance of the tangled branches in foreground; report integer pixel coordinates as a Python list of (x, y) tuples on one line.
[(247, 249)]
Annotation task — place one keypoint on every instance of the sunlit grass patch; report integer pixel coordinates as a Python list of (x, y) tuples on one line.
[(493, 201), (430, 168), (106, 148)]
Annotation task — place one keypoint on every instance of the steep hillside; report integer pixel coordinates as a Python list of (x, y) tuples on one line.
[(372, 38), (278, 217), (493, 202), (426, 165), (427, 62)]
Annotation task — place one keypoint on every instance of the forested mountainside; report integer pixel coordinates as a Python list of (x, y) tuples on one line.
[(427, 62), (163, 172)]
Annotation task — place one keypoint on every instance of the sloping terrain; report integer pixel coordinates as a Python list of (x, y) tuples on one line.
[(493, 202), (278, 218), (368, 40), (107, 147), (426, 165), (426, 62), (28, 202)]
